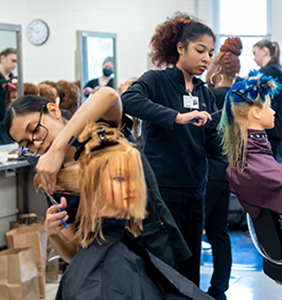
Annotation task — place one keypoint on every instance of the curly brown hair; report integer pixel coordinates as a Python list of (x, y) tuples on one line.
[(30, 89), (179, 28), (11, 93), (69, 95), (47, 91), (228, 56)]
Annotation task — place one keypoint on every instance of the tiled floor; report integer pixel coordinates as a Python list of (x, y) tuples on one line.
[(249, 285), (247, 281)]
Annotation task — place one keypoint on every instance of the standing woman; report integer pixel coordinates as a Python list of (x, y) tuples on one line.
[(176, 150), (8, 62), (220, 77), (267, 56)]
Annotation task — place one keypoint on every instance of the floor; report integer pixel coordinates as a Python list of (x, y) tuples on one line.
[(247, 281)]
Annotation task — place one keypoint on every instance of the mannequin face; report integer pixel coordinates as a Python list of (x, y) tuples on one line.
[(261, 118), (118, 184), (267, 114)]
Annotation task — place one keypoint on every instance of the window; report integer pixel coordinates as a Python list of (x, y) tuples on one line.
[(248, 19)]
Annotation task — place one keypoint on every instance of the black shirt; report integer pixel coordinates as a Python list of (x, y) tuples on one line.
[(2, 97), (95, 82), (275, 134), (177, 153), (218, 163), (120, 269)]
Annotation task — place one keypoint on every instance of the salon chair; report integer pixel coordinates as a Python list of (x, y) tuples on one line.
[(266, 234)]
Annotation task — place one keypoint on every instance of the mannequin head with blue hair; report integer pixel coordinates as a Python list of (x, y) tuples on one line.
[(247, 106)]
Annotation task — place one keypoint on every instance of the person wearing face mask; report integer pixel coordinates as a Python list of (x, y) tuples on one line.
[(267, 56), (105, 80), (8, 62)]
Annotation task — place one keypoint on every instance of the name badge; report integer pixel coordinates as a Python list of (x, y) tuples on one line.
[(191, 102)]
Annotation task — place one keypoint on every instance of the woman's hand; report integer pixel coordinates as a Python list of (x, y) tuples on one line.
[(88, 90), (197, 118), (48, 167), (53, 224)]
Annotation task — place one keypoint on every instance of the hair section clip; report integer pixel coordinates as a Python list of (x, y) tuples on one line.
[(80, 146), (240, 94)]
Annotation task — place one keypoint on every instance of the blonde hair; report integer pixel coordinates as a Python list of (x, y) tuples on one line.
[(234, 121), (95, 172)]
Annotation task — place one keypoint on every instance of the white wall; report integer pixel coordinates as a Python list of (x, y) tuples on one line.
[(276, 25), (133, 21)]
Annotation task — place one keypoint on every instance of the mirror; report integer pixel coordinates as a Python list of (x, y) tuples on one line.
[(93, 50), (11, 37)]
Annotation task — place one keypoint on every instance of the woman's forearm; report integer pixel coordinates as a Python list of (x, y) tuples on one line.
[(104, 104), (65, 248)]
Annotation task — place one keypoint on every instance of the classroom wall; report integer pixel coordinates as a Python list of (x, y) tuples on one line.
[(133, 21)]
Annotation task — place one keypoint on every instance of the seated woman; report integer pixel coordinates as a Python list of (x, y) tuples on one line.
[(111, 183), (253, 173), (38, 124)]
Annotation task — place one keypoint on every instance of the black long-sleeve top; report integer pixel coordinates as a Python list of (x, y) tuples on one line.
[(177, 153), (2, 97), (275, 134), (218, 163)]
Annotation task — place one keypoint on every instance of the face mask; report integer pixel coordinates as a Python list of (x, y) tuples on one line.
[(107, 72)]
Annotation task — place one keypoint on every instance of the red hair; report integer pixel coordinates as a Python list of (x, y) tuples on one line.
[(228, 56)]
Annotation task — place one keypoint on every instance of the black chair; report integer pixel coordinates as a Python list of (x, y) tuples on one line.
[(266, 234)]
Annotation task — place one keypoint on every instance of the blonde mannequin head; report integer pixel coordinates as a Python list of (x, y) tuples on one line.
[(110, 181)]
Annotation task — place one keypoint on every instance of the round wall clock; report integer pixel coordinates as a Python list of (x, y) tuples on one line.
[(37, 32)]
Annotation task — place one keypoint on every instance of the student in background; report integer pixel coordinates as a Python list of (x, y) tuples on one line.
[(220, 77), (105, 80), (267, 56), (8, 62)]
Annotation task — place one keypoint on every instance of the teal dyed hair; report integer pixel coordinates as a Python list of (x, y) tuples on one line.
[(238, 101)]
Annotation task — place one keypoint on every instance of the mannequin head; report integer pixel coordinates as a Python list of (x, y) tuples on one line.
[(247, 106), (111, 181)]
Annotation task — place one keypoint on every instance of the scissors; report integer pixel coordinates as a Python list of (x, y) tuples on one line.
[(58, 210), (197, 119), (212, 114)]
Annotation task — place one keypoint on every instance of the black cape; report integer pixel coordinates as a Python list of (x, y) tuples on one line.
[(120, 269)]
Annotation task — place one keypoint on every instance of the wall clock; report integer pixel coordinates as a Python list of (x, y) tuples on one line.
[(37, 32)]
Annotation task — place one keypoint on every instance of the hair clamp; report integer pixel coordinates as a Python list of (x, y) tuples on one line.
[(240, 94), (80, 146), (104, 142)]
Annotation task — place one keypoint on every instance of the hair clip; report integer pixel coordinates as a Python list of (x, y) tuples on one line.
[(80, 146), (240, 94), (262, 86), (11, 85), (104, 142)]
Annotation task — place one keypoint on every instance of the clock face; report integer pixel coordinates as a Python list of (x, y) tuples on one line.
[(37, 32)]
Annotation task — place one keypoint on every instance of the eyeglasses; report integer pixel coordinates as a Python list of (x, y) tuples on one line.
[(39, 134)]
